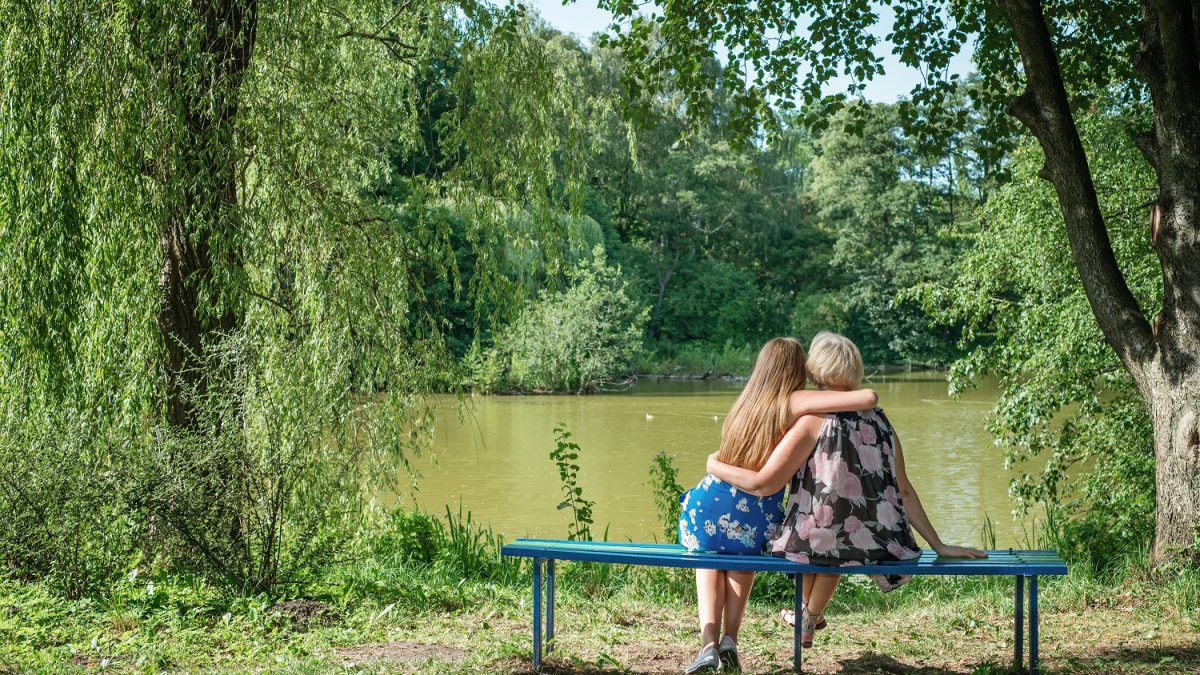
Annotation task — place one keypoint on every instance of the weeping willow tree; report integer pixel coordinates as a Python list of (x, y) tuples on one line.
[(202, 295)]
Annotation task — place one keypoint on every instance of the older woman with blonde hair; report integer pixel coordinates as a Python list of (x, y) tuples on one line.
[(850, 501)]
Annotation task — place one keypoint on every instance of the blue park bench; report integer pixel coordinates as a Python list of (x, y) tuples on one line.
[(1021, 565)]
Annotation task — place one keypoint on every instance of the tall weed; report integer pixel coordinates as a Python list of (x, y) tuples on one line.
[(664, 483), (565, 454)]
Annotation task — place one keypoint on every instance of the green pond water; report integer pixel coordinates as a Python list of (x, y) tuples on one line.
[(496, 460)]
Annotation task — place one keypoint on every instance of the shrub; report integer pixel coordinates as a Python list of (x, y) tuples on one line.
[(664, 482), (578, 339), (67, 518), (700, 359), (409, 536)]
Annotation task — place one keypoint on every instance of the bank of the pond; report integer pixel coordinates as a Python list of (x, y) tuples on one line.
[(701, 361), (415, 620)]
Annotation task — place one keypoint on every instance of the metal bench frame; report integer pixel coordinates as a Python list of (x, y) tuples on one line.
[(1021, 565)]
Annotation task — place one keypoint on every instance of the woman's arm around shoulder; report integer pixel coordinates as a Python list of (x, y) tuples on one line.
[(814, 401), (786, 459)]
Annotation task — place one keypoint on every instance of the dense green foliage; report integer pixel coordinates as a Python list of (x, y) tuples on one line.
[(127, 172), (577, 339), (1065, 398), (213, 261), (729, 245)]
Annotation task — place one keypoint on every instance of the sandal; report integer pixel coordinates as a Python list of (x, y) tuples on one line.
[(788, 617), (809, 624)]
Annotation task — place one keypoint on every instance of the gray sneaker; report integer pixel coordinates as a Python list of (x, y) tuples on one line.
[(727, 650), (708, 661)]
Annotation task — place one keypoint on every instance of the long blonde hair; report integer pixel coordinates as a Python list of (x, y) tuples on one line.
[(760, 415)]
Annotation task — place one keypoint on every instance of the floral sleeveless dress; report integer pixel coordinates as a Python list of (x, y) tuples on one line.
[(844, 504), (719, 518)]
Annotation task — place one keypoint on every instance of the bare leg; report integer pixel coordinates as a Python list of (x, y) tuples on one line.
[(806, 592), (710, 597), (822, 591), (737, 594)]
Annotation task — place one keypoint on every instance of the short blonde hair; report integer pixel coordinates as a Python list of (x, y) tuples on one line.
[(834, 362)]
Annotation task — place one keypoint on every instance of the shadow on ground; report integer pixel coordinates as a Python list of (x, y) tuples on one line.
[(1115, 661), (1125, 661), (865, 663)]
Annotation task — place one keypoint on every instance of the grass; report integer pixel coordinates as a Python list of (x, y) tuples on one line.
[(406, 606), (641, 620)]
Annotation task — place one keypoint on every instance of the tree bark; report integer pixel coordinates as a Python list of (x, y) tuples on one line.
[(200, 244), (205, 209), (1161, 357), (1169, 60), (1176, 418)]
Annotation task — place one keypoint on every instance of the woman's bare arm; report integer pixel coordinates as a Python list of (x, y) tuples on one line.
[(920, 521), (811, 401), (786, 459)]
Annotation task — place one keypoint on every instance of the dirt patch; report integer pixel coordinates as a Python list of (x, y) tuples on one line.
[(303, 612), (400, 653)]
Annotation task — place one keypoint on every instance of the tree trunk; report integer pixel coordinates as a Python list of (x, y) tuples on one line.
[(1162, 356), (1168, 60), (1175, 412), (664, 278), (205, 209), (200, 243)]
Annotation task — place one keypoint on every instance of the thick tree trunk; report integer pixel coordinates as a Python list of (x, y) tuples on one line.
[(205, 209), (1162, 356), (186, 266), (199, 240), (1175, 412), (1170, 63)]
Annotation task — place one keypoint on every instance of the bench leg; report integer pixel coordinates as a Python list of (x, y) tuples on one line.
[(1019, 624), (537, 614), (797, 648), (549, 606), (1033, 626)]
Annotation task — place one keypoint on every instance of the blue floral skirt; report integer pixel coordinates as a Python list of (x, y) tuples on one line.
[(718, 517)]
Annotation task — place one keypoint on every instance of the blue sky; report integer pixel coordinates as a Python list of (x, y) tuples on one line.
[(583, 19)]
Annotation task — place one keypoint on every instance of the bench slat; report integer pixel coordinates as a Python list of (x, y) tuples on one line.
[(999, 562), (643, 546)]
